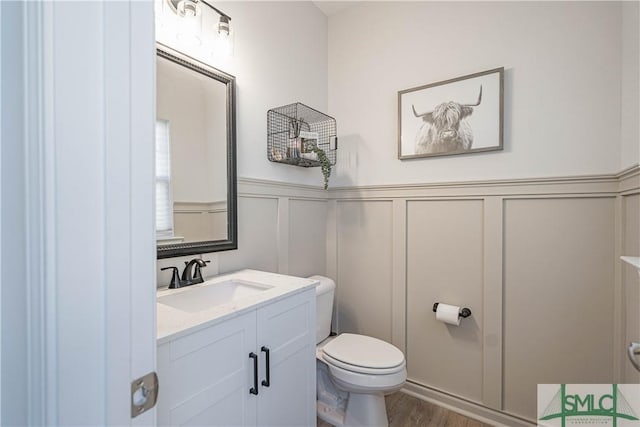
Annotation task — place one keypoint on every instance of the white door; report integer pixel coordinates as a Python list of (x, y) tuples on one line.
[(86, 106)]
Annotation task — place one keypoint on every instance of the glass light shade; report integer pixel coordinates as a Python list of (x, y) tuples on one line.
[(190, 23), (223, 25), (223, 40)]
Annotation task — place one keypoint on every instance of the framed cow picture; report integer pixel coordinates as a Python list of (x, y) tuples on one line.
[(456, 116)]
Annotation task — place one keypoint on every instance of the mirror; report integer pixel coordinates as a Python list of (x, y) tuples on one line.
[(195, 157)]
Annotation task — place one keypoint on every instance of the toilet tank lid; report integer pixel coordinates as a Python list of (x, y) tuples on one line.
[(326, 284)]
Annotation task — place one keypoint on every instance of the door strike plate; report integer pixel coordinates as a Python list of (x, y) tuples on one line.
[(144, 394)]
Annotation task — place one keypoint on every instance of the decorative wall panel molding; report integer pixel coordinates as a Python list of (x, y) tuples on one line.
[(569, 229), (393, 244)]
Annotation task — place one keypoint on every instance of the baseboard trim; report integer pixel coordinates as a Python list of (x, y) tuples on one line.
[(465, 407)]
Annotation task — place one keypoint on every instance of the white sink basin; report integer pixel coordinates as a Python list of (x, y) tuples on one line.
[(204, 297)]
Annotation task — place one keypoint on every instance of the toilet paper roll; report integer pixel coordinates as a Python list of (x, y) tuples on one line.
[(448, 314)]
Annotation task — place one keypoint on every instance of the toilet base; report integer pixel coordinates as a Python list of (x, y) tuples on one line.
[(347, 399), (363, 410), (330, 414), (366, 410)]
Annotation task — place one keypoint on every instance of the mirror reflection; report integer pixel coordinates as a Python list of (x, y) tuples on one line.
[(192, 156)]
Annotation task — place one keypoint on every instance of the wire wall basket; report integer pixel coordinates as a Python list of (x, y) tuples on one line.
[(295, 130)]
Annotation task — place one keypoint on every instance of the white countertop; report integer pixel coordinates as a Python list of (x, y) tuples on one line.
[(173, 322)]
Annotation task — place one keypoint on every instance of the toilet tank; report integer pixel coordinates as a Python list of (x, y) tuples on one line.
[(324, 306)]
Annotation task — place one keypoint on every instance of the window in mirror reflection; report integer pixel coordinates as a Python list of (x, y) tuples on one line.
[(164, 198)]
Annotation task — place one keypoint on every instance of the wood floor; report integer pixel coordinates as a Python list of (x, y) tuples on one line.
[(407, 411)]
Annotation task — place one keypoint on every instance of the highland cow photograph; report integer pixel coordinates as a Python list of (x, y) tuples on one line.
[(456, 116)]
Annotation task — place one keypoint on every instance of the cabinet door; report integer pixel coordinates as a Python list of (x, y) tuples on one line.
[(287, 328), (205, 376)]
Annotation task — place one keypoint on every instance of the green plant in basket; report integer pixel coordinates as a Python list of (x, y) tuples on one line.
[(325, 163)]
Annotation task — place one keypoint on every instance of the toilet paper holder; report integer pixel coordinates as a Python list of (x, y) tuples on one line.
[(464, 312)]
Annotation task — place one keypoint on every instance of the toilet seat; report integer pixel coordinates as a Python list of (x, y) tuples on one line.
[(348, 380), (363, 354), (361, 369)]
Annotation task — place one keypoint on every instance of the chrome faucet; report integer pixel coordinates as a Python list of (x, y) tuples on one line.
[(191, 274)]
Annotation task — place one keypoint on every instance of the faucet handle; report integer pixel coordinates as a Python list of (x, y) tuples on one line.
[(188, 275), (197, 274), (175, 278)]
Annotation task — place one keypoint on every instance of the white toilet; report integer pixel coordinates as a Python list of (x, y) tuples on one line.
[(354, 372)]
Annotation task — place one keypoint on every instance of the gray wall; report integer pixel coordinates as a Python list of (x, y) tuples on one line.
[(558, 295), (445, 243), (535, 260), (281, 229)]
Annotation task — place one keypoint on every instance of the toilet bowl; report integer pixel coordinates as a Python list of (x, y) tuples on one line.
[(354, 372)]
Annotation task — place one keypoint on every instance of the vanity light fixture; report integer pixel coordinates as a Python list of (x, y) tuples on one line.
[(190, 26)]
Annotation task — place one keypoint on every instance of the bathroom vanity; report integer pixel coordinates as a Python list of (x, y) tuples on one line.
[(238, 349)]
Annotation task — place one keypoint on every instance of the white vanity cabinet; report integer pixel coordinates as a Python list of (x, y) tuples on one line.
[(206, 376)]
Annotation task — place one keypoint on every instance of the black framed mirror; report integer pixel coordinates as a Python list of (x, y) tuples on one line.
[(196, 200)]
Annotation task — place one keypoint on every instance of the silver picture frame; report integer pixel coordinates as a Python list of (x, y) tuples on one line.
[(451, 117)]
